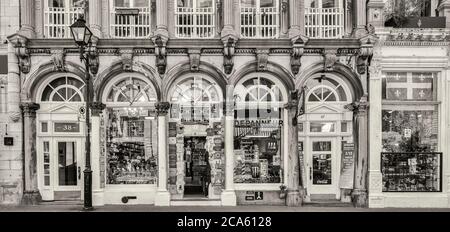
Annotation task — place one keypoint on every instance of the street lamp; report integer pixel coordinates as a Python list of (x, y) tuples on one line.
[(82, 36)]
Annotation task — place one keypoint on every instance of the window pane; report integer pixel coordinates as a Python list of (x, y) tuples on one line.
[(409, 86), (268, 3), (141, 3), (44, 127), (122, 3), (204, 3), (56, 3), (185, 3), (410, 130), (248, 3), (318, 127)]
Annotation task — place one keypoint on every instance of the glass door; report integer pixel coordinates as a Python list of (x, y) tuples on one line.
[(322, 166)]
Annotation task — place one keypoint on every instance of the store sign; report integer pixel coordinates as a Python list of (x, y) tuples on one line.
[(67, 127), (257, 123), (254, 196), (347, 165)]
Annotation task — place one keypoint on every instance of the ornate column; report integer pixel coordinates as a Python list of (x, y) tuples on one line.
[(97, 193), (161, 17), (162, 195), (14, 69), (31, 195), (360, 111), (27, 18), (294, 197), (229, 195), (296, 18), (360, 22), (95, 17)]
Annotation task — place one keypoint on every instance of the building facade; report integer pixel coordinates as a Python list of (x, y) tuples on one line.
[(233, 102)]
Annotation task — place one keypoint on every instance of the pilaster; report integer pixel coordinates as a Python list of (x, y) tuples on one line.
[(31, 195), (27, 18), (360, 21), (162, 195), (97, 192), (95, 17), (444, 10), (375, 13)]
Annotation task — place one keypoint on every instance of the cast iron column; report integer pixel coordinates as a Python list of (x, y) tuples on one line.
[(87, 172), (294, 197)]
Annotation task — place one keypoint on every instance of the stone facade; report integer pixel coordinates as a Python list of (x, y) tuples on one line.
[(357, 60)]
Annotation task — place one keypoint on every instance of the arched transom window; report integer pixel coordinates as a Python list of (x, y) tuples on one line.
[(196, 98), (324, 89), (131, 90), (64, 89), (258, 89)]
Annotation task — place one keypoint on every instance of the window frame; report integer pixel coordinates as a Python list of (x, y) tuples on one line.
[(257, 16), (132, 27), (194, 11)]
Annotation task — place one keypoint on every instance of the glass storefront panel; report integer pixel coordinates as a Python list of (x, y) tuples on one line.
[(131, 144)]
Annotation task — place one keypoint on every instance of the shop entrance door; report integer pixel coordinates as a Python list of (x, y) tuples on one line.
[(322, 163), (62, 169), (196, 167)]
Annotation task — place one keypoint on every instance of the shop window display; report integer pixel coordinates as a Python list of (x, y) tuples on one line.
[(131, 153), (257, 132), (410, 132)]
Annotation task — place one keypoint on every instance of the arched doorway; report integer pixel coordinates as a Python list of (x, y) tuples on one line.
[(131, 139), (260, 133), (196, 155), (60, 137), (324, 131)]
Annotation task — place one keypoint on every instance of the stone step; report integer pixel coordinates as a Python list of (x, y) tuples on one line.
[(62, 202), (328, 203), (195, 202)]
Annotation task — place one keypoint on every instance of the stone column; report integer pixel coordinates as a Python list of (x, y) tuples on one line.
[(444, 10), (162, 195), (375, 13), (27, 17), (229, 195), (359, 193), (95, 17), (13, 84), (97, 192), (161, 18), (31, 195), (228, 16), (294, 197), (296, 18), (359, 12)]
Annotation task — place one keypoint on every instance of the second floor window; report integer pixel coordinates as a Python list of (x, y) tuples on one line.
[(130, 18), (59, 15), (324, 18), (260, 18), (195, 18)]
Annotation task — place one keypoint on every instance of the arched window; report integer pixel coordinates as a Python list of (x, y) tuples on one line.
[(197, 98), (257, 90), (64, 89), (326, 90), (131, 90)]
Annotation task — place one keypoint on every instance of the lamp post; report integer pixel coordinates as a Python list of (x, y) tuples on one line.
[(82, 36)]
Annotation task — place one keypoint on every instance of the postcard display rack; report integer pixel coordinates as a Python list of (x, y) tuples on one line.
[(411, 172), (257, 151), (177, 164)]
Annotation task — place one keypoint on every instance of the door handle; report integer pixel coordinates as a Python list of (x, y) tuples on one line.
[(79, 173), (310, 173)]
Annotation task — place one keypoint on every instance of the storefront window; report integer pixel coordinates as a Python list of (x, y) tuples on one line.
[(131, 132), (410, 131), (258, 129)]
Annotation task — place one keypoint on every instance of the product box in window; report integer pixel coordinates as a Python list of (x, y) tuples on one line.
[(264, 168)]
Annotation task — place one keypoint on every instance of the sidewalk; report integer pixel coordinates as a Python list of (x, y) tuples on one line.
[(151, 208)]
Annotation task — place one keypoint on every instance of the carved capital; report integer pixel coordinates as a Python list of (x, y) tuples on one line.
[(284, 6), (126, 56), (262, 57), (330, 56), (229, 47), (29, 109), (97, 108), (194, 58), (58, 59), (160, 42), (162, 108), (365, 52), (360, 107), (20, 44)]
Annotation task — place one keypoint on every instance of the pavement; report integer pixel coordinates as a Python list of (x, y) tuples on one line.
[(151, 208)]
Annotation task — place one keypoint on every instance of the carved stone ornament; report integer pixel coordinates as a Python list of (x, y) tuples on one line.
[(229, 48), (331, 58), (29, 109), (126, 57), (93, 56), (162, 108), (365, 52), (160, 42), (262, 57), (360, 106), (298, 48), (23, 54), (58, 59), (284, 6), (194, 58), (97, 108)]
